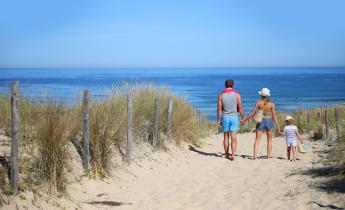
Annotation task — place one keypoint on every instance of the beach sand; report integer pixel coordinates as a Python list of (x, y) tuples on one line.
[(201, 178)]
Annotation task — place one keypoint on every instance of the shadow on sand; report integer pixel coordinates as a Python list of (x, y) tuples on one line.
[(222, 155), (329, 181), (334, 183), (191, 148)]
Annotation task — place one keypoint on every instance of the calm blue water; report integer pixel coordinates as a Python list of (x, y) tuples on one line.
[(291, 88)]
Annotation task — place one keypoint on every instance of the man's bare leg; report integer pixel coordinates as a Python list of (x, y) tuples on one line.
[(226, 144), (233, 145)]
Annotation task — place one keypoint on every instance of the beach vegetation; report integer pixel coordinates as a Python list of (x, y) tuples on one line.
[(52, 142), (48, 128)]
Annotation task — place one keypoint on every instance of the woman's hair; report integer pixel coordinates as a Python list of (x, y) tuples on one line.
[(266, 99)]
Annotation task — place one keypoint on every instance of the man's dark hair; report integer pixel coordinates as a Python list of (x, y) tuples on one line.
[(229, 83)]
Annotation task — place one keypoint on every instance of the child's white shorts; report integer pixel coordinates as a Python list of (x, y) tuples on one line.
[(291, 143)]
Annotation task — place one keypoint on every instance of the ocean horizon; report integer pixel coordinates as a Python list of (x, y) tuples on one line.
[(292, 88)]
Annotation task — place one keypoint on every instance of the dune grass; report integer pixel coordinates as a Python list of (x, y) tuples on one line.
[(301, 119), (108, 121), (52, 142), (338, 151), (47, 128)]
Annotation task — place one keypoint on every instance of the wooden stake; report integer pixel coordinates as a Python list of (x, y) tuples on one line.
[(155, 139), (326, 123), (86, 130), (129, 128), (308, 121), (170, 110), (15, 136), (336, 112)]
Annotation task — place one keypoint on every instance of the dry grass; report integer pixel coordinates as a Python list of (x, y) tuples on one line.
[(5, 114), (52, 142), (101, 136), (108, 121), (338, 151), (314, 124), (47, 128)]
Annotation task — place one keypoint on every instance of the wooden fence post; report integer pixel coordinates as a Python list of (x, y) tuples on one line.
[(337, 121), (298, 122), (170, 110), (318, 119), (129, 128), (326, 123), (86, 130), (15, 136), (308, 121), (155, 136)]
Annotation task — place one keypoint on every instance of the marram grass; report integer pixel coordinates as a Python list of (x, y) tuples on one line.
[(49, 128)]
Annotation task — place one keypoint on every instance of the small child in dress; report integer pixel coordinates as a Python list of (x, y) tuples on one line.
[(291, 133)]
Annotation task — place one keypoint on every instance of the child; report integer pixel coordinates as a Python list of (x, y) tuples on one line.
[(291, 132)]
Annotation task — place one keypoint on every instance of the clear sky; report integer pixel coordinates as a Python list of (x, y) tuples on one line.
[(171, 33)]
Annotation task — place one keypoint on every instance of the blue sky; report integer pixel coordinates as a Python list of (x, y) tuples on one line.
[(172, 33)]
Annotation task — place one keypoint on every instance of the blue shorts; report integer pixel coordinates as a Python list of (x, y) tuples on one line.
[(230, 123), (265, 125)]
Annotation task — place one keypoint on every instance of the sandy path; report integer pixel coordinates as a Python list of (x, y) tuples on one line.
[(203, 179)]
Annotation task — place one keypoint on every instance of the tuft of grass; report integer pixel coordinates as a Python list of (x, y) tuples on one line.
[(5, 114), (338, 151), (52, 142), (318, 133), (101, 136)]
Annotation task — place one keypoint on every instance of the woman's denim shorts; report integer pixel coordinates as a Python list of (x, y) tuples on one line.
[(265, 125)]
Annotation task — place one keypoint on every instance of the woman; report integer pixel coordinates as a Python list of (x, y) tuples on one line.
[(268, 116)]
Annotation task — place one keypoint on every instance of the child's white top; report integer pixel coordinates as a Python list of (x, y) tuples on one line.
[(290, 132)]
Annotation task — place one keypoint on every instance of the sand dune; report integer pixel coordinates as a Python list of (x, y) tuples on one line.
[(201, 178)]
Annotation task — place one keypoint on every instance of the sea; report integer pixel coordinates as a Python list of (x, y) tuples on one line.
[(291, 88)]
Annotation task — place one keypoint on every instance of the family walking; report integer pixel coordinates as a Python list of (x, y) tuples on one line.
[(230, 104)]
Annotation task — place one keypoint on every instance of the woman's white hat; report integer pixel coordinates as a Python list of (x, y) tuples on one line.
[(265, 92), (288, 118)]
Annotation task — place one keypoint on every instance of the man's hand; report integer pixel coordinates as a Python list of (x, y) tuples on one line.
[(219, 124), (243, 122)]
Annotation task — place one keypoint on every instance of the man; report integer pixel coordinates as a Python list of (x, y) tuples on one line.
[(229, 103)]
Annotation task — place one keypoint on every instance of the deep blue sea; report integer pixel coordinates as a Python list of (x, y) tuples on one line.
[(291, 88)]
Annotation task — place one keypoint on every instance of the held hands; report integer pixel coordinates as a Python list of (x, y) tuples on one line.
[(244, 120), (279, 132)]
